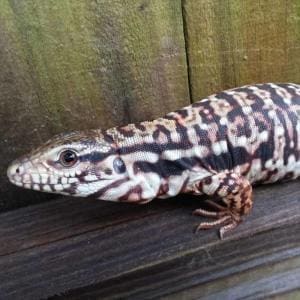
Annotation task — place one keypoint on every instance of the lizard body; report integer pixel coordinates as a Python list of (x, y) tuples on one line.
[(219, 146)]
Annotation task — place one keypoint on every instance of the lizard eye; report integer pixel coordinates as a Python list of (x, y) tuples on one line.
[(68, 158), (119, 165)]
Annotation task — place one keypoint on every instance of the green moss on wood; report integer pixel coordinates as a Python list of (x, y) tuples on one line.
[(231, 43), (91, 58)]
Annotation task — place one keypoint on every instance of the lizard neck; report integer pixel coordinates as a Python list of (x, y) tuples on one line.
[(153, 153), (139, 148)]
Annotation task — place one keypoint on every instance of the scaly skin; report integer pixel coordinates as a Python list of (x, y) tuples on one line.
[(219, 146)]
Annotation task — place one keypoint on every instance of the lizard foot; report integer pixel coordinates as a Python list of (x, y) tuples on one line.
[(224, 217), (236, 194)]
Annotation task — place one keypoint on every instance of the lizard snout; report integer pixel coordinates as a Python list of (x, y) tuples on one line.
[(15, 172)]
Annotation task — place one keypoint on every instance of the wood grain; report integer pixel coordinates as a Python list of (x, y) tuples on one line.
[(76, 250), (236, 42), (73, 65)]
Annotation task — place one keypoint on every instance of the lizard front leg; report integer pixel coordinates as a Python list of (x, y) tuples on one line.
[(235, 191)]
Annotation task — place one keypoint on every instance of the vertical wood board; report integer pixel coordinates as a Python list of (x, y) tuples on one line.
[(236, 42), (73, 65)]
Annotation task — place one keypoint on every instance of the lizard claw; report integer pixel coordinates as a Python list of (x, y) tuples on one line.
[(224, 217), (221, 211), (221, 221), (228, 222), (209, 214)]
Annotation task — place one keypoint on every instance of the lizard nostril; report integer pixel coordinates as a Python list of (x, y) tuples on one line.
[(14, 169)]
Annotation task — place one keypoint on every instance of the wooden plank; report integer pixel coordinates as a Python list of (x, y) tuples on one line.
[(236, 42), (46, 223), (73, 65), (149, 252), (207, 274)]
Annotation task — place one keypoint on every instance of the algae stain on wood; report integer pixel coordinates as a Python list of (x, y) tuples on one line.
[(293, 41), (56, 38), (99, 57), (143, 57), (21, 124)]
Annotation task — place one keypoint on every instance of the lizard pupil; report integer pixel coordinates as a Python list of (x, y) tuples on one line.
[(68, 158)]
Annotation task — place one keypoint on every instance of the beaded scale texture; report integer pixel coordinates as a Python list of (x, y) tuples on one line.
[(219, 146)]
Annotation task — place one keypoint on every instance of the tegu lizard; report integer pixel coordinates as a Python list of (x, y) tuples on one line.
[(220, 146)]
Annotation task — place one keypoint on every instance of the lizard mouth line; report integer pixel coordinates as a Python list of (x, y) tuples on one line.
[(20, 181)]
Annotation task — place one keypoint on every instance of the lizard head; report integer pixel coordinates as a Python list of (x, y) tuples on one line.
[(77, 163)]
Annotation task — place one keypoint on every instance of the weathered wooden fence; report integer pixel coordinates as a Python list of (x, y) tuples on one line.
[(68, 65)]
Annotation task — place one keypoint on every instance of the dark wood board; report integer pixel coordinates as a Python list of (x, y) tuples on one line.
[(87, 249)]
